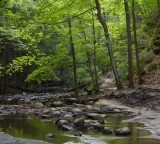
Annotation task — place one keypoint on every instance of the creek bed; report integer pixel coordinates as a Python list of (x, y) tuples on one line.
[(27, 127)]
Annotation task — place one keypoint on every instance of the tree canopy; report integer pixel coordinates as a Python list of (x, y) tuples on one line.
[(64, 40)]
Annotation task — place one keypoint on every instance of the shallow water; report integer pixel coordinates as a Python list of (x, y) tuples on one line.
[(31, 128)]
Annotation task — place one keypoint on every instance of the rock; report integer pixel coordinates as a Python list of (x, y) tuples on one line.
[(123, 131), (79, 122), (68, 118), (7, 139), (96, 126), (67, 128), (24, 94), (77, 110), (70, 100), (56, 113), (96, 108), (38, 104), (49, 136), (89, 108), (96, 116), (78, 134), (116, 111), (107, 131), (56, 104), (62, 122)]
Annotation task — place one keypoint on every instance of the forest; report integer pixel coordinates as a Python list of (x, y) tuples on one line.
[(74, 71), (76, 42)]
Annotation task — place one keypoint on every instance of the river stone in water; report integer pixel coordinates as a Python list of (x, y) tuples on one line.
[(94, 125), (67, 128), (62, 122), (79, 122), (107, 131), (123, 131), (96, 116), (49, 136)]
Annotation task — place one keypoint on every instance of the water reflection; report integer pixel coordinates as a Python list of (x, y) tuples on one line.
[(30, 128)]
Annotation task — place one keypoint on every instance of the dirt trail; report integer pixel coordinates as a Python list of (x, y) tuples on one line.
[(108, 84)]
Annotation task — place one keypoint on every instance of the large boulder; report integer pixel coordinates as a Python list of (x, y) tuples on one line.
[(123, 131)]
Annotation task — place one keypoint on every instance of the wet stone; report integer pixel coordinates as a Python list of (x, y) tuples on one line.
[(49, 136)]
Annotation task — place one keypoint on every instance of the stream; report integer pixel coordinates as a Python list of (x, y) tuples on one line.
[(28, 127)]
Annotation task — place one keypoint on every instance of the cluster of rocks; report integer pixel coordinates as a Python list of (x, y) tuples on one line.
[(138, 97), (70, 117)]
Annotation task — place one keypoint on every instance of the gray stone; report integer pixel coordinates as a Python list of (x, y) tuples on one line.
[(96, 126), (56, 113), (68, 118), (96, 116), (123, 131), (107, 131), (79, 122), (70, 100), (67, 128), (38, 104), (49, 136), (89, 108), (62, 122), (57, 103), (77, 110), (7, 139)]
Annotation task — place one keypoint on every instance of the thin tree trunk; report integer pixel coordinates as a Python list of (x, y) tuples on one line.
[(130, 65), (95, 61), (89, 60), (118, 83), (158, 2), (74, 58), (136, 44)]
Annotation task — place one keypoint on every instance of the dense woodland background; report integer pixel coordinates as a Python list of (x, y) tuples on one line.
[(74, 42)]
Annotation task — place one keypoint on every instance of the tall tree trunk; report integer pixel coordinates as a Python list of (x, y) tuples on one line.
[(95, 60), (130, 65), (74, 58), (108, 44), (158, 2), (89, 59), (136, 44)]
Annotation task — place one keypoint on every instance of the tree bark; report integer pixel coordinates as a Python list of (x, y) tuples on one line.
[(136, 44), (103, 23), (88, 60), (130, 65), (158, 2), (95, 60), (74, 58)]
